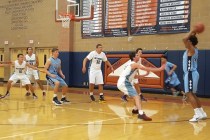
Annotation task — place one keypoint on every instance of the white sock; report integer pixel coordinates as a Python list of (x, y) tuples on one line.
[(28, 91), (91, 93), (43, 91), (101, 94), (63, 96), (201, 109), (197, 111), (54, 95), (141, 112), (140, 93), (135, 108)]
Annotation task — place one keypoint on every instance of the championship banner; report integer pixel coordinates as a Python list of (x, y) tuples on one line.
[(153, 80)]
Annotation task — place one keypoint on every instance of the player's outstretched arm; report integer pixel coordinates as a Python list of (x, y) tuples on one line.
[(6, 63)]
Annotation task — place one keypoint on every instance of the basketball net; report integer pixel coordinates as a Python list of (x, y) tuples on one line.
[(65, 21)]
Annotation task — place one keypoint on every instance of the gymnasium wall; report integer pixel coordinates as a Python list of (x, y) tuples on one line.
[(32, 23)]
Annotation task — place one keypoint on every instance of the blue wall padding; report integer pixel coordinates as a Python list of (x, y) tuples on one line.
[(207, 75), (72, 68)]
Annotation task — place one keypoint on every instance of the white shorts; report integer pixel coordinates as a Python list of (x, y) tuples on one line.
[(23, 79), (32, 75), (96, 77), (127, 88)]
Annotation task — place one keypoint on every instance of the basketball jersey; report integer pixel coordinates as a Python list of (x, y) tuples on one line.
[(172, 79), (96, 60), (54, 66), (128, 74), (20, 68), (30, 60), (190, 63)]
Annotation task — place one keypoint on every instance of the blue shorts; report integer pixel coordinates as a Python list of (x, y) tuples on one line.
[(52, 81), (127, 88), (191, 81)]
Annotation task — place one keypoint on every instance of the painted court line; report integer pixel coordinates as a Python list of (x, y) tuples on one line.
[(53, 129)]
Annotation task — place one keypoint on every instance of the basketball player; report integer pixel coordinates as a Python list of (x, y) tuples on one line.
[(136, 81), (32, 74), (95, 74), (172, 82), (52, 69), (125, 85), (19, 74), (191, 74)]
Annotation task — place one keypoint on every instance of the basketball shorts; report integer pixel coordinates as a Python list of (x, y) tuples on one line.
[(23, 79), (96, 77), (135, 81), (52, 81), (32, 75), (127, 88), (191, 81)]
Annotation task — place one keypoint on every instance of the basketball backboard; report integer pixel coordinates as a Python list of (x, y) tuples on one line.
[(66, 7)]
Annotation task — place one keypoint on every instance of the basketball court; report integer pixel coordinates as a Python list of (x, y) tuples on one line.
[(75, 27)]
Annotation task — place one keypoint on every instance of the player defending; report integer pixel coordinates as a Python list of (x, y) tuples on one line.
[(32, 74), (95, 74), (52, 69), (125, 85), (136, 81), (19, 74), (191, 74)]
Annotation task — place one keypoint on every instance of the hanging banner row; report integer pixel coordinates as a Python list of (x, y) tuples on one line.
[(116, 18)]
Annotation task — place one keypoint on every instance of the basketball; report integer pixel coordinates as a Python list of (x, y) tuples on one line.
[(199, 27)]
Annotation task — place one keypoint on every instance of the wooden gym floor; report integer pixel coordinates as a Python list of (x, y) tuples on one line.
[(23, 118)]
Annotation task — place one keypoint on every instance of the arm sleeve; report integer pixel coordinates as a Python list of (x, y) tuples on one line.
[(90, 56)]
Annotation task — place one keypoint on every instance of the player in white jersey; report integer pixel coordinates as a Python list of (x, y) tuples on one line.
[(19, 74), (136, 81), (125, 84), (95, 74), (32, 74)]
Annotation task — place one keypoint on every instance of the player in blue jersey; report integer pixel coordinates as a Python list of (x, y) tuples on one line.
[(191, 75), (53, 70), (172, 82)]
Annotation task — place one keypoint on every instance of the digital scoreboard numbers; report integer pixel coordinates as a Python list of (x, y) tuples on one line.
[(174, 16), (92, 28), (116, 18), (143, 17)]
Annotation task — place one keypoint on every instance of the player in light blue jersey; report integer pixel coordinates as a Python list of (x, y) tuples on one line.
[(191, 75), (172, 82), (53, 70)]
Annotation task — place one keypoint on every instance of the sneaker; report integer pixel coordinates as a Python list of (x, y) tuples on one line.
[(135, 111), (176, 93), (144, 117), (64, 100), (124, 98), (34, 96), (142, 98), (44, 93), (204, 116), (101, 99), (196, 118), (28, 94), (92, 98), (56, 101)]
